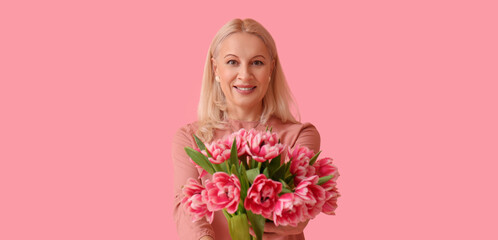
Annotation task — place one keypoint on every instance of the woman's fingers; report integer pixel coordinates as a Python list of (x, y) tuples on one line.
[(273, 232), (271, 236), (252, 232), (285, 230)]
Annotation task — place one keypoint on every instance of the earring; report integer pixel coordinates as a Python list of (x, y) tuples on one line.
[(217, 78)]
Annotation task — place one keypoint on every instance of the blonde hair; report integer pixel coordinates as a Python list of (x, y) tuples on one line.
[(212, 109)]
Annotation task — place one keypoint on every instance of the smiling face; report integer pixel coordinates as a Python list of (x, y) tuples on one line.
[(243, 67)]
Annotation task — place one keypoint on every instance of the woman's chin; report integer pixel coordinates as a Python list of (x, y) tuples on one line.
[(246, 105)]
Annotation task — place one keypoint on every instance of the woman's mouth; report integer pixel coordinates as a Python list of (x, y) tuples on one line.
[(244, 89)]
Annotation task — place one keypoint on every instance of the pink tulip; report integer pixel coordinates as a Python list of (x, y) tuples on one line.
[(193, 203), (324, 167), (271, 138), (262, 196), (219, 151), (288, 210), (312, 195), (300, 163), (331, 203), (192, 187), (240, 141), (301, 152), (263, 146), (222, 192)]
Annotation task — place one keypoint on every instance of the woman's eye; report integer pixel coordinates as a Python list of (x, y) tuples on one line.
[(257, 62), (231, 62)]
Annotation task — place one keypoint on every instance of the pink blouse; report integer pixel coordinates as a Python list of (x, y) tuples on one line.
[(291, 134)]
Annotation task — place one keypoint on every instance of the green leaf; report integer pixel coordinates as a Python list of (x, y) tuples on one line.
[(244, 162), (201, 146), (227, 215), (274, 165), (285, 190), (284, 184), (244, 184), (199, 143), (234, 171), (200, 160), (220, 167), (264, 165), (278, 173), (265, 172), (239, 227), (285, 187), (291, 182), (313, 159), (252, 163), (252, 174), (325, 179), (287, 167), (257, 224), (240, 208), (234, 159)]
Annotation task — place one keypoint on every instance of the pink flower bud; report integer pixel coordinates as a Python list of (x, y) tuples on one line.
[(288, 210), (262, 196), (300, 163), (222, 192), (219, 151), (263, 146), (193, 203), (312, 195)]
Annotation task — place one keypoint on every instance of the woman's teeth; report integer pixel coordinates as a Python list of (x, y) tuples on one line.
[(245, 89)]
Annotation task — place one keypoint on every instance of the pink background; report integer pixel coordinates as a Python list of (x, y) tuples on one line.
[(404, 94)]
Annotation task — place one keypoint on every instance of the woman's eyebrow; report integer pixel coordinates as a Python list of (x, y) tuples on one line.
[(228, 55)]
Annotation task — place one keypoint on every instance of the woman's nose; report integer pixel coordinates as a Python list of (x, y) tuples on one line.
[(244, 72)]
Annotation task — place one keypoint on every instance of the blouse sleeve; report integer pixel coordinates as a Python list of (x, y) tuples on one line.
[(309, 137), (183, 169)]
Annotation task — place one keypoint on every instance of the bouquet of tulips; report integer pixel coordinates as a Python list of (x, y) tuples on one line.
[(251, 184)]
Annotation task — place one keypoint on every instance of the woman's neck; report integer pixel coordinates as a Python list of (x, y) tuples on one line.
[(245, 114)]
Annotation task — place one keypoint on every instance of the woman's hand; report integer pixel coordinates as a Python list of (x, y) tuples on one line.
[(273, 232), (206, 238)]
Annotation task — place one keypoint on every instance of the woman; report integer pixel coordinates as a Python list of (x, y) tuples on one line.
[(243, 87)]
